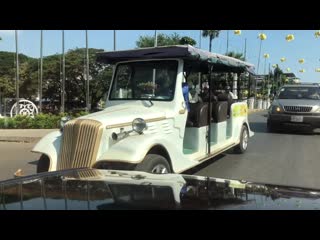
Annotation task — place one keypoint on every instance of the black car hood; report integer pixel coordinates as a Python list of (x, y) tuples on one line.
[(90, 189)]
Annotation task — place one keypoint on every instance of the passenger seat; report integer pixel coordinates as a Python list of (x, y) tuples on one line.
[(198, 115)]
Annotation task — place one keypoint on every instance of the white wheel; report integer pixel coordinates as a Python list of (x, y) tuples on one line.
[(244, 139)]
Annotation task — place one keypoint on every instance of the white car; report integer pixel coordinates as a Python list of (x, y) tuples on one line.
[(149, 123)]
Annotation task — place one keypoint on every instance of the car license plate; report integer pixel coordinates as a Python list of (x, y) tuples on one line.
[(296, 118)]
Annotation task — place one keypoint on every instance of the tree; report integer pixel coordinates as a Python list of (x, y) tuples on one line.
[(236, 55), (75, 85), (277, 75), (100, 77), (164, 40), (187, 41), (7, 72), (212, 34)]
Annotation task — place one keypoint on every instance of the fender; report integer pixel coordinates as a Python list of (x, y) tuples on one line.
[(240, 110), (127, 150), (50, 146)]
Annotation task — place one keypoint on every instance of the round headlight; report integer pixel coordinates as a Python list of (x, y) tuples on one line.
[(138, 125)]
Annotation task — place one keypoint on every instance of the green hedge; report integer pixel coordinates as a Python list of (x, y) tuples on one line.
[(40, 121)]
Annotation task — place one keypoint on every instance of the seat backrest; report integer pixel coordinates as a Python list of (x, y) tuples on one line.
[(225, 97), (198, 115), (219, 111)]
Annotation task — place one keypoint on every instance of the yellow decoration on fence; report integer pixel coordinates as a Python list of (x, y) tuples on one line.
[(290, 37), (262, 36), (266, 55), (301, 60), (283, 59), (237, 32)]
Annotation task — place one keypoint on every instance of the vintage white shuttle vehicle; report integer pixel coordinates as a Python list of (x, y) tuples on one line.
[(150, 123)]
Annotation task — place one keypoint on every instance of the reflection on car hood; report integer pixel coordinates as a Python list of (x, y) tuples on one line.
[(109, 189)]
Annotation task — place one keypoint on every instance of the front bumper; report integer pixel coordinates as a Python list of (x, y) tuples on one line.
[(311, 120)]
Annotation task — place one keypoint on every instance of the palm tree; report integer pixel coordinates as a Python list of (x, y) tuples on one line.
[(236, 55), (212, 34)]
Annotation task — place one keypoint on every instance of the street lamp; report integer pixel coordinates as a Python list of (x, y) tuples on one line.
[(262, 37)]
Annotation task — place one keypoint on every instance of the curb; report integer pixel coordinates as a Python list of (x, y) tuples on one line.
[(256, 110), (19, 139)]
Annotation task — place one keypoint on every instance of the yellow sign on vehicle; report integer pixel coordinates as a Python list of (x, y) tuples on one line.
[(240, 110)]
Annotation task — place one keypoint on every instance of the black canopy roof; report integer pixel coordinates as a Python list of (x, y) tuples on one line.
[(185, 52)]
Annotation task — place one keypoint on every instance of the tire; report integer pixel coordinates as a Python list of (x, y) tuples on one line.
[(43, 164), (153, 163), (244, 137)]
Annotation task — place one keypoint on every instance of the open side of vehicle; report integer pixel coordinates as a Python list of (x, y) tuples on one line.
[(150, 122)]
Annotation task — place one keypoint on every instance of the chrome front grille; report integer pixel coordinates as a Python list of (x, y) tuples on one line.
[(80, 144), (301, 109)]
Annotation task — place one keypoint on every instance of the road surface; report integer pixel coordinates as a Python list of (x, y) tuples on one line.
[(285, 158)]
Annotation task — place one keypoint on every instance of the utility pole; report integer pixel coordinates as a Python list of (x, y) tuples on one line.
[(245, 49), (227, 41), (155, 38), (259, 56), (154, 70), (41, 71), (87, 73), (17, 74), (114, 40), (63, 75), (199, 75)]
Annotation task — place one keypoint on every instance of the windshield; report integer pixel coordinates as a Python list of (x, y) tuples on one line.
[(153, 80), (299, 93)]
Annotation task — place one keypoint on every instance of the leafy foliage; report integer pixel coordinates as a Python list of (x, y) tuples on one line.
[(236, 55), (164, 40), (75, 85), (40, 121)]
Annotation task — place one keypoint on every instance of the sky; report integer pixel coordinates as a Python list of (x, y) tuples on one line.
[(305, 45)]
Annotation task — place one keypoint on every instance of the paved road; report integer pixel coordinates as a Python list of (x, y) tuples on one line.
[(279, 158), (14, 155)]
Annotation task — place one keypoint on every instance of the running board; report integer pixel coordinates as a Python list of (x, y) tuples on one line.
[(217, 153)]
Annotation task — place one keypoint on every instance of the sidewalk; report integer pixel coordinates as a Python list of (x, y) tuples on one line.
[(23, 135)]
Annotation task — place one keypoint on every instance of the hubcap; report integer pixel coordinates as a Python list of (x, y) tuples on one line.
[(159, 169), (245, 138)]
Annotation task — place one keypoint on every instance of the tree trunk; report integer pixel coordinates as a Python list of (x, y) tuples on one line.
[(210, 44)]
